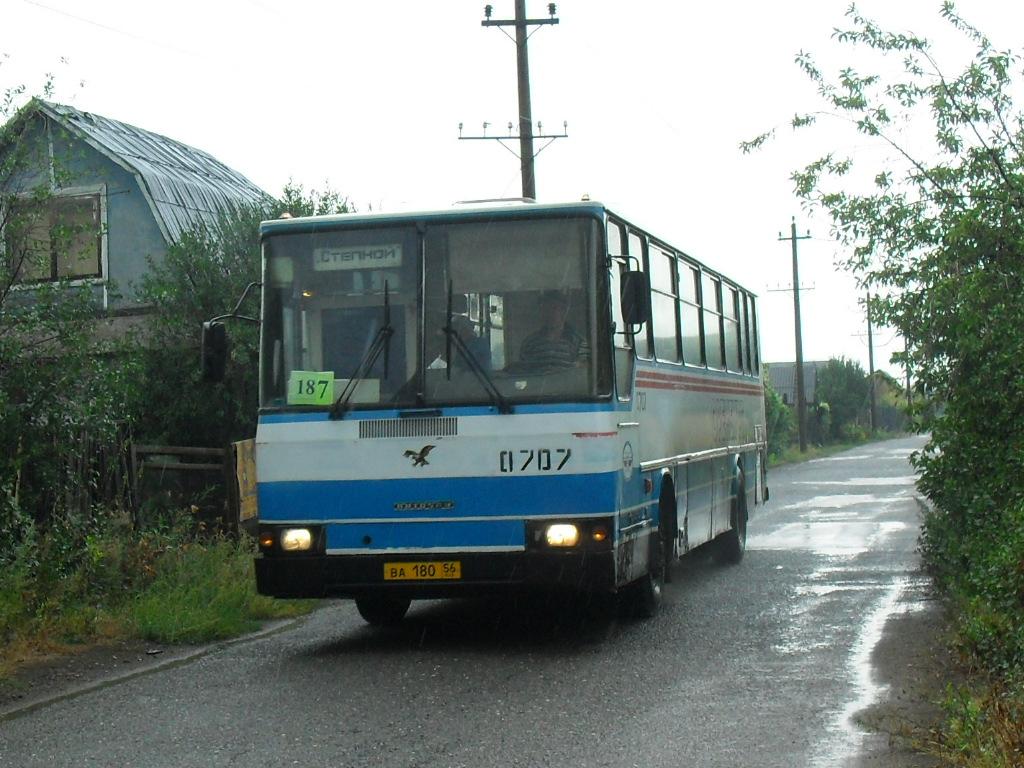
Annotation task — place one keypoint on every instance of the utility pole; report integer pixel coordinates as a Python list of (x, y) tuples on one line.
[(526, 135), (871, 365), (801, 398)]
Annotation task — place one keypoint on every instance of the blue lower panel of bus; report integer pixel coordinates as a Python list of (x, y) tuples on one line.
[(356, 537), (439, 498)]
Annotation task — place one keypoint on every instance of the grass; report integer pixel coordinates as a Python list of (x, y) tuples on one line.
[(982, 730), (204, 592), (792, 454), (165, 587)]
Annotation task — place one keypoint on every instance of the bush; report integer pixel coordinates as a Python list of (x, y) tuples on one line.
[(780, 422), (167, 585)]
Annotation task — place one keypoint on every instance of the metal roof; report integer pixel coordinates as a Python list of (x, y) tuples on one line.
[(783, 379), (184, 186)]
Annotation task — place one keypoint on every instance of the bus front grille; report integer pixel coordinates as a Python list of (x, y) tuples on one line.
[(440, 426)]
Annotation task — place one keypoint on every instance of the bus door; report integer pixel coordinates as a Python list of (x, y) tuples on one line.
[(632, 512)]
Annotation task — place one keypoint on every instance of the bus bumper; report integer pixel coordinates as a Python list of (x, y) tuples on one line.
[(316, 576)]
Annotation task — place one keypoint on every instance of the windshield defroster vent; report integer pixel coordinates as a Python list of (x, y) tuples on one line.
[(442, 426)]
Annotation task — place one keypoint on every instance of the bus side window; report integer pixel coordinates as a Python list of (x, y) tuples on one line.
[(755, 344), (711, 300), (689, 314), (748, 367), (664, 304), (731, 325)]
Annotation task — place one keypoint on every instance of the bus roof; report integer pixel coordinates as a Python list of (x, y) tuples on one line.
[(468, 212), (459, 212)]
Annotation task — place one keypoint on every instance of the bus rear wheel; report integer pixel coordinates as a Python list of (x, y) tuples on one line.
[(733, 544), (382, 611)]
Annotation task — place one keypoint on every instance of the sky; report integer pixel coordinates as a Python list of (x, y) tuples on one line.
[(366, 98)]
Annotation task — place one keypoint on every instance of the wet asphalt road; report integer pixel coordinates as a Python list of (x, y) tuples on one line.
[(760, 664)]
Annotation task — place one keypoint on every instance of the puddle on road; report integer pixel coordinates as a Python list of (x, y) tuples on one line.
[(830, 538), (846, 736), (867, 481), (835, 501), (853, 457), (902, 453)]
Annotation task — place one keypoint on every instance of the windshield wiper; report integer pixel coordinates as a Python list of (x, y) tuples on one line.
[(452, 337), (381, 343)]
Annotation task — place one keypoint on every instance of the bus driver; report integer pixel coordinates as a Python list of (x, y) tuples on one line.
[(555, 344)]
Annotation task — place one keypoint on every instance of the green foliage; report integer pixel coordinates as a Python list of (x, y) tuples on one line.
[(934, 226), (204, 275), (165, 585), (62, 392), (780, 421), (983, 731), (844, 385), (204, 592)]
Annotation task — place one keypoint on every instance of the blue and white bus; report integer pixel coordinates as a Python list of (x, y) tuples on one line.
[(492, 398)]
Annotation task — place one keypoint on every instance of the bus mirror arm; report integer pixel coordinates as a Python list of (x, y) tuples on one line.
[(213, 355)]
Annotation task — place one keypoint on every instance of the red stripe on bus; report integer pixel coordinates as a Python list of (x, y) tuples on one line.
[(702, 387), (695, 380), (594, 434)]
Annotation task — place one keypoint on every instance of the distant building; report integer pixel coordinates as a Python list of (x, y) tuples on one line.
[(783, 379), (125, 193)]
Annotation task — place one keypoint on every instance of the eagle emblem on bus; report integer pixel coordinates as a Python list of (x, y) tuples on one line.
[(419, 458)]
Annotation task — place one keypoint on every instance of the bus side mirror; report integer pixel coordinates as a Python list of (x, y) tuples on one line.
[(213, 351), (635, 297)]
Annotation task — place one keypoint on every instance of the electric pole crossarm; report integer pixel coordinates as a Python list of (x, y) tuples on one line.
[(526, 134), (513, 22), (516, 137)]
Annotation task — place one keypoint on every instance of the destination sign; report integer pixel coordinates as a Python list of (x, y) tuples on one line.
[(358, 257)]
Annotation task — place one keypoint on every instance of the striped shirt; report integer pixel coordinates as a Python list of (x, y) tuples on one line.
[(543, 353)]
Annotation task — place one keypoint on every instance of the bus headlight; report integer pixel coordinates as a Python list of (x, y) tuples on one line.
[(296, 539), (562, 535)]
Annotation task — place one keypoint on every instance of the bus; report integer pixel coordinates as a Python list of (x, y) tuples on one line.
[(497, 398)]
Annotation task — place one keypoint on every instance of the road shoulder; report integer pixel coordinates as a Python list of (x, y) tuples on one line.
[(87, 668), (913, 659)]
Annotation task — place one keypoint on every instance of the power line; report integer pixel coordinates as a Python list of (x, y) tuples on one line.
[(107, 27)]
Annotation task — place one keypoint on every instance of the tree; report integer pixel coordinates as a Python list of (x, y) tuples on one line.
[(844, 386), (934, 226), (57, 389), (203, 275), (938, 236)]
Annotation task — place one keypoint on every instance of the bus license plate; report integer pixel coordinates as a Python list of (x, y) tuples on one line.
[(423, 571)]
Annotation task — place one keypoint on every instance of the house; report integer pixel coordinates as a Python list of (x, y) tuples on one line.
[(122, 194), (783, 379)]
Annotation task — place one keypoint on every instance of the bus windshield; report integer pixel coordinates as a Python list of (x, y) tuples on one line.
[(453, 313)]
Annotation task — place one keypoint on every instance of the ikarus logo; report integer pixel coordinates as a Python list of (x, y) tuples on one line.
[(419, 458)]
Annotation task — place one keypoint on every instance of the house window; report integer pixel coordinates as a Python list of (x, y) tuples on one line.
[(60, 238)]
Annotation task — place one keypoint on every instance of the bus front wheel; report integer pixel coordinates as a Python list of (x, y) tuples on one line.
[(382, 611), (648, 591)]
